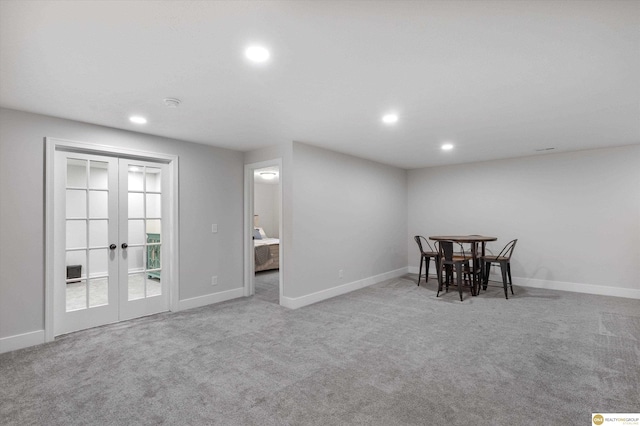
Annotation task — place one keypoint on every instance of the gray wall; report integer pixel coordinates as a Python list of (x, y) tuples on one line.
[(348, 213), (576, 215), (266, 198), (211, 188)]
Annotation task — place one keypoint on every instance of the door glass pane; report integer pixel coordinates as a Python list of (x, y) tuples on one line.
[(136, 232), (136, 174), (76, 234), (153, 205), (98, 175), (98, 233), (153, 256), (136, 286), (99, 292), (154, 288), (153, 179), (154, 227), (76, 173), (98, 204), (76, 295), (136, 205), (76, 264), (75, 282), (98, 262), (76, 203), (135, 259)]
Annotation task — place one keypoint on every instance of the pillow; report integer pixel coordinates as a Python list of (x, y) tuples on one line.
[(262, 233), (256, 234)]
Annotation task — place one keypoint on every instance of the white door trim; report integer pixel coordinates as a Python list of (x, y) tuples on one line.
[(249, 262), (173, 273)]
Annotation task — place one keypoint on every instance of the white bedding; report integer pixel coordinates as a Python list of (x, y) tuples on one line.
[(266, 241)]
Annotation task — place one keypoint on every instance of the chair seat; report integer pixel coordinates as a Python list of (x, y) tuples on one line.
[(494, 258)]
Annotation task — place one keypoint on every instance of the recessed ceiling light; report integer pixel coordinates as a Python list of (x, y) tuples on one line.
[(257, 54), (390, 118), (447, 147), (137, 119)]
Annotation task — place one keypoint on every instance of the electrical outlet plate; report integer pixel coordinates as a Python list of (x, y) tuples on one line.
[(214, 280), (214, 228), (341, 273)]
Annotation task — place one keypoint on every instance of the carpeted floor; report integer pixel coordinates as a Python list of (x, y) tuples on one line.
[(389, 354)]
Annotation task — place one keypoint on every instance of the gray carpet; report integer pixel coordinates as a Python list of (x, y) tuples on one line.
[(389, 354)]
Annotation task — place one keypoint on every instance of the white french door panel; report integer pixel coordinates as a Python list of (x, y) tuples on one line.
[(143, 205), (111, 240), (86, 230)]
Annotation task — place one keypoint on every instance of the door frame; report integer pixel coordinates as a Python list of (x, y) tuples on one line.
[(55, 144), (249, 252)]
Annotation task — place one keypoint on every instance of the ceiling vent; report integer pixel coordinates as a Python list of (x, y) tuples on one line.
[(172, 102)]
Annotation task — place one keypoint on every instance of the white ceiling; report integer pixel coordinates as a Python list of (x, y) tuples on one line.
[(498, 79)]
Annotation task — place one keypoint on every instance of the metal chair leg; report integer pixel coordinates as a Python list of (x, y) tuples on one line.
[(439, 279), (420, 270), (509, 274), (426, 274), (459, 276), (503, 269)]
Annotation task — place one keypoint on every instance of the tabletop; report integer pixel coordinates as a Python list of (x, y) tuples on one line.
[(464, 238)]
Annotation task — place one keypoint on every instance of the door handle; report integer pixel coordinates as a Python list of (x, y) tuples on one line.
[(113, 246), (125, 245)]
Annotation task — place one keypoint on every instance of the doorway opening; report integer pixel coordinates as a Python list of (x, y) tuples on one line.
[(264, 259)]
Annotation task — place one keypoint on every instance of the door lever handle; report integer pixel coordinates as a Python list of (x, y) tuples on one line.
[(113, 246), (125, 245)]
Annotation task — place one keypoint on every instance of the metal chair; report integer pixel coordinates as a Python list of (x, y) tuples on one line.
[(504, 260), (425, 255), (447, 261)]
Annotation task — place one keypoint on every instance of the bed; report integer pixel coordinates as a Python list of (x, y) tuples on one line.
[(267, 251)]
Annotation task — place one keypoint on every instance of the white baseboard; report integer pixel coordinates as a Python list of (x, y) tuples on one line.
[(20, 341), (629, 293), (298, 302), (432, 271), (208, 299)]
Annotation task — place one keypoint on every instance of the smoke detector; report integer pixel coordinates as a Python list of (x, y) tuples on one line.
[(172, 102)]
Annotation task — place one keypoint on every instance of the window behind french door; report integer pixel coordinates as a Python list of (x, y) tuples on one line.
[(108, 215)]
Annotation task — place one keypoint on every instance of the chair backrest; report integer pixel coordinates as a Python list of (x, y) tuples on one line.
[(507, 251), (445, 249), (419, 240)]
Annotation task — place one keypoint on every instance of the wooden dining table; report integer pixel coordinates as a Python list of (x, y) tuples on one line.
[(475, 241)]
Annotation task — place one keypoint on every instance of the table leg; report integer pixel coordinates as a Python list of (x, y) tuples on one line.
[(482, 267), (474, 255)]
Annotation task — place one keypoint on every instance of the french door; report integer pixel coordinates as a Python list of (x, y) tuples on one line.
[(109, 235)]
